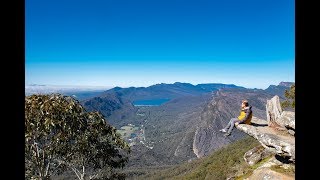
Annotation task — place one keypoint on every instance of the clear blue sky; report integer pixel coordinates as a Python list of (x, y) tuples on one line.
[(249, 43)]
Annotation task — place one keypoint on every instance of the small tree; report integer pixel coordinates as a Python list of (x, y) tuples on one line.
[(61, 135), (290, 97)]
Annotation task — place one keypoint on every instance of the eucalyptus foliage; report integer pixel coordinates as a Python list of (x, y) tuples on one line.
[(60, 135)]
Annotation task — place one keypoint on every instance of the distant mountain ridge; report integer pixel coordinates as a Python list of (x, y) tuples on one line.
[(279, 89), (171, 91), (286, 84), (117, 103)]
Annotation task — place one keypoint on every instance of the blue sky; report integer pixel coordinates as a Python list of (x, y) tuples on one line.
[(139, 43)]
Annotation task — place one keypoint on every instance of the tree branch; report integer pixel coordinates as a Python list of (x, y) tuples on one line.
[(48, 165), (35, 146), (75, 171)]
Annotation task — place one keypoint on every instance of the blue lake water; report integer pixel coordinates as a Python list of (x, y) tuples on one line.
[(150, 102)]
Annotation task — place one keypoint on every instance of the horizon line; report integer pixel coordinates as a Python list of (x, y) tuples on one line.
[(114, 86)]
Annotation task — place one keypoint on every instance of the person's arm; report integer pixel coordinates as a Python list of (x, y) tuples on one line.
[(246, 117)]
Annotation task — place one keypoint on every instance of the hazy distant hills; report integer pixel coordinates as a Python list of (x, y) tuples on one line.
[(78, 92)]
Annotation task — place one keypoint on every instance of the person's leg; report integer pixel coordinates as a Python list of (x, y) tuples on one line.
[(232, 122), (229, 124)]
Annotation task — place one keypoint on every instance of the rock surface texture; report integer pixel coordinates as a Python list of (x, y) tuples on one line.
[(273, 140), (256, 154), (273, 110), (266, 173)]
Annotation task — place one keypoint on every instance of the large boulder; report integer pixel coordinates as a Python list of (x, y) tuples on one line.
[(287, 119), (283, 120), (273, 109)]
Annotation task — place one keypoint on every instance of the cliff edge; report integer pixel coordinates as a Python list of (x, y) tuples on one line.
[(276, 136)]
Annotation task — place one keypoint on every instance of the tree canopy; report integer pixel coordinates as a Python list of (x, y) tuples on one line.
[(60, 135)]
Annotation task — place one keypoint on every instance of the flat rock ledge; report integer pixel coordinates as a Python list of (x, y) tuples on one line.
[(278, 142)]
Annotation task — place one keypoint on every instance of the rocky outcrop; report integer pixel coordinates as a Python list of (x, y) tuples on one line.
[(256, 154), (282, 120), (267, 171), (273, 140)]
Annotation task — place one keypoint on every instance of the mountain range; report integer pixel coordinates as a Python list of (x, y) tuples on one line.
[(185, 127)]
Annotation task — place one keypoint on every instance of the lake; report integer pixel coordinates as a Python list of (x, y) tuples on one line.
[(150, 102)]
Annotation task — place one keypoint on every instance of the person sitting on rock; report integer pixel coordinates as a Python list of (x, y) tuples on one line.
[(244, 117)]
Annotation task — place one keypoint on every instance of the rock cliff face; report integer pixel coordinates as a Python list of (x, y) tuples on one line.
[(275, 136), (207, 139)]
